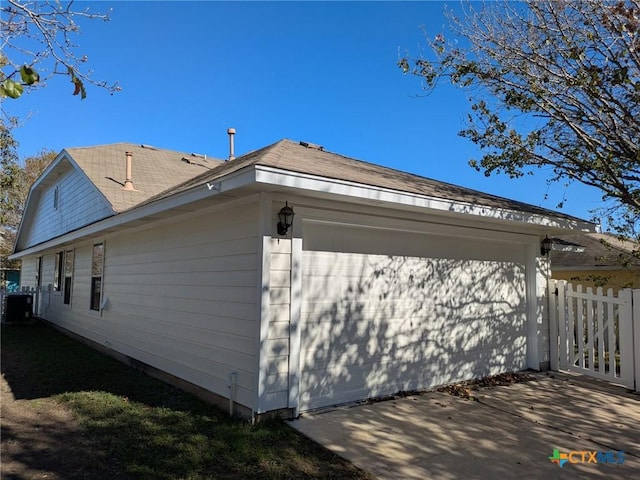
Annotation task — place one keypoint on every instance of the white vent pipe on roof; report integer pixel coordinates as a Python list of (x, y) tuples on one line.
[(128, 183), (231, 132)]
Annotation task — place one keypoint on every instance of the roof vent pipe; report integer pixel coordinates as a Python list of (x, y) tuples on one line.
[(231, 132), (128, 183)]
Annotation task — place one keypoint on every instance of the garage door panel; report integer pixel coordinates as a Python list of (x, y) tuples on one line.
[(338, 383), (373, 324), (357, 240)]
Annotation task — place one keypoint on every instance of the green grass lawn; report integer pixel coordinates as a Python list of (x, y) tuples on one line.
[(142, 428)]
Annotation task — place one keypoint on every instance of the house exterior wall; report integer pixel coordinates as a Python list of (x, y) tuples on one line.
[(78, 204), (216, 295), (275, 388), (28, 272), (332, 252), (178, 296)]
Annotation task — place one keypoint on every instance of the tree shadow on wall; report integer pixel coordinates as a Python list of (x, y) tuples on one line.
[(403, 323)]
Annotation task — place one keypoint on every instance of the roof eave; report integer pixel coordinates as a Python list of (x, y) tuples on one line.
[(225, 184), (344, 188), (64, 155), (278, 178)]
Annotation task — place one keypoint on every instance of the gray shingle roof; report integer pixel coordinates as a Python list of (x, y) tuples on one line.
[(154, 170), (584, 251), (293, 156)]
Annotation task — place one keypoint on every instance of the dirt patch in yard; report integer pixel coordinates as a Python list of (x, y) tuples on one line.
[(42, 440)]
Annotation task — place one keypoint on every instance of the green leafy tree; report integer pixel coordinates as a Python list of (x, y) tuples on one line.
[(15, 182), (553, 85), (38, 43)]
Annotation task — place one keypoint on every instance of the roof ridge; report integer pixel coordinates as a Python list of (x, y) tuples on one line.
[(138, 145)]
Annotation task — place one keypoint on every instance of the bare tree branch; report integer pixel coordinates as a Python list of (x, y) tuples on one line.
[(556, 84), (37, 43)]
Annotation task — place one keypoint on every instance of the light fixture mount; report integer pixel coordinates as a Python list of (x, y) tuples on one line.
[(285, 219), (545, 246)]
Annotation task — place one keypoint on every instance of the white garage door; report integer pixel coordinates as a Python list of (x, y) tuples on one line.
[(376, 321)]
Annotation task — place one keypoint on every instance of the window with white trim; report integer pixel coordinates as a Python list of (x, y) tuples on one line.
[(97, 265), (57, 271), (38, 271), (69, 258)]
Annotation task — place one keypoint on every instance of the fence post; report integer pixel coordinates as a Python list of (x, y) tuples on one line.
[(554, 354), (635, 325), (564, 322), (625, 325)]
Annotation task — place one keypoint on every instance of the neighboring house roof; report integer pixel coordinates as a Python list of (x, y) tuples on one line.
[(593, 250), (154, 170), (313, 160)]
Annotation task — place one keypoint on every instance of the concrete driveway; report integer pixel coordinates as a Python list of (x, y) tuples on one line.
[(509, 433)]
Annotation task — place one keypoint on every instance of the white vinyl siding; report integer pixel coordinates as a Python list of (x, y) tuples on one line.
[(53, 307), (276, 383), (386, 311), (180, 297), (78, 204), (28, 272)]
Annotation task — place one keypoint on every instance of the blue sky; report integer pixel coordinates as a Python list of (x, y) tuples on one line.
[(322, 72)]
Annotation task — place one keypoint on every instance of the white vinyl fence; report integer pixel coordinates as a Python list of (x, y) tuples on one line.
[(595, 333)]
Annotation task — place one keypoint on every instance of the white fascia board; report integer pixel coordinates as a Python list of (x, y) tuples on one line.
[(274, 176), (52, 166), (194, 194)]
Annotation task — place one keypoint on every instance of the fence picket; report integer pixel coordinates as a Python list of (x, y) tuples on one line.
[(625, 337), (555, 335), (598, 333), (580, 330), (589, 343), (611, 330), (635, 321), (562, 324)]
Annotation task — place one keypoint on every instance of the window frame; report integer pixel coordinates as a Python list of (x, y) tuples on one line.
[(97, 279), (67, 276), (39, 271), (58, 273)]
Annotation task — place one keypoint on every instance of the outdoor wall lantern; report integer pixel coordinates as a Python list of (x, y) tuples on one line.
[(545, 246), (285, 217)]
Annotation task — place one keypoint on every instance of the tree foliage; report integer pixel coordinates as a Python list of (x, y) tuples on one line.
[(553, 85), (38, 43), (15, 182)]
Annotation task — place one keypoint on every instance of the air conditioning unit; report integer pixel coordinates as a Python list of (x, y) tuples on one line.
[(17, 308)]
